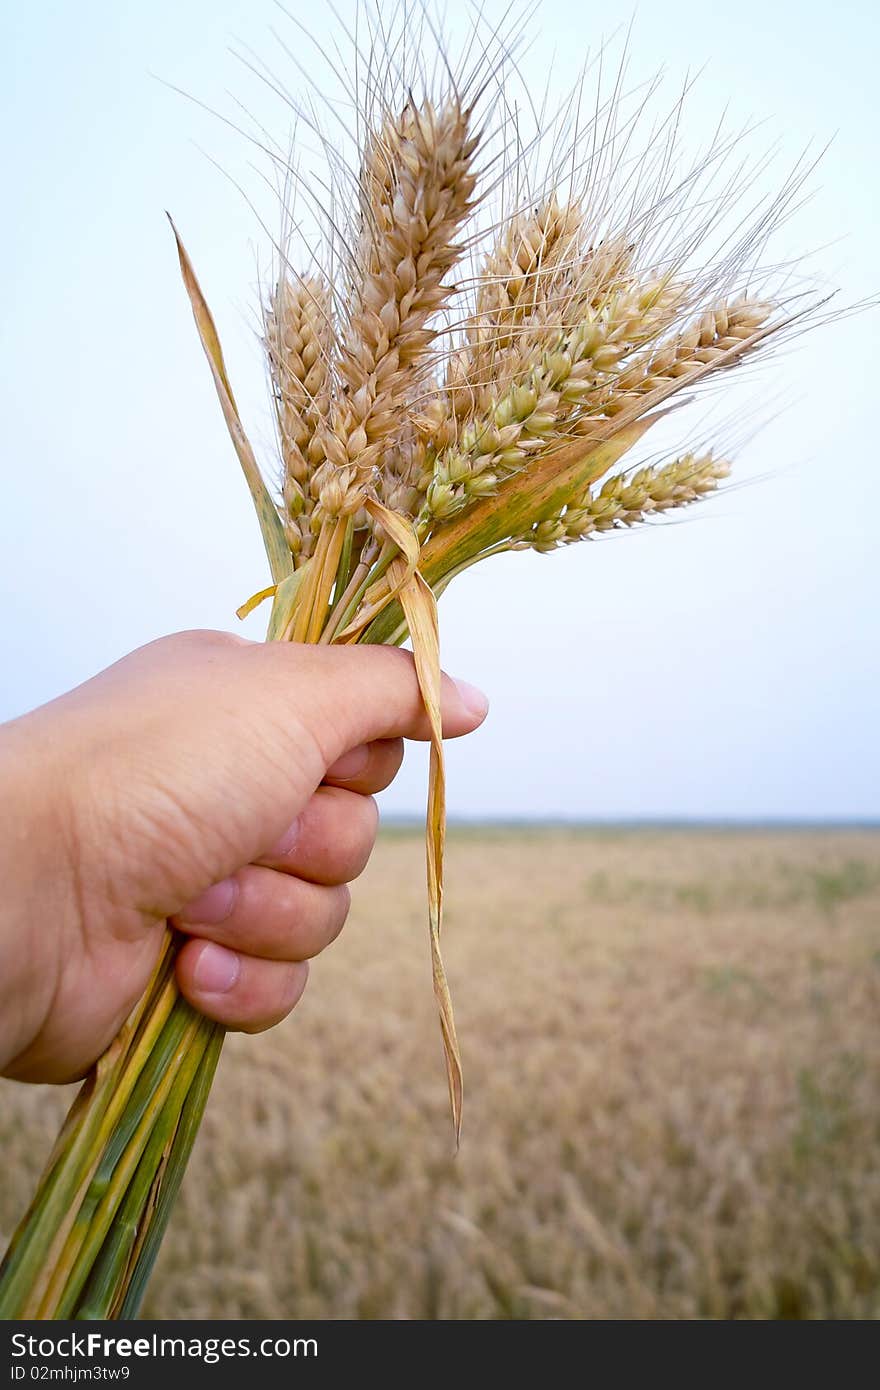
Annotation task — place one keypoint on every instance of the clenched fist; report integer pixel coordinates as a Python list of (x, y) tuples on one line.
[(220, 784)]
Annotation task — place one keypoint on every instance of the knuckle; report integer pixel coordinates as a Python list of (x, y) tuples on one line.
[(207, 640)]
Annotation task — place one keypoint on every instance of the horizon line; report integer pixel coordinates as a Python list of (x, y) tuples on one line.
[(404, 819)]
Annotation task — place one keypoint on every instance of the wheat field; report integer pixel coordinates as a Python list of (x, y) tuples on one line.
[(670, 1041)]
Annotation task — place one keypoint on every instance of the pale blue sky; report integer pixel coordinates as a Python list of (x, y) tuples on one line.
[(725, 666)]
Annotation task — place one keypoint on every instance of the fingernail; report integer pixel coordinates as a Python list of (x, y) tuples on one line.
[(287, 842), (350, 764), (475, 701), (212, 906), (216, 969)]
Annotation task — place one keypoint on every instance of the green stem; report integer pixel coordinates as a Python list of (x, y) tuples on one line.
[(353, 602), (178, 1158), (107, 1275), (150, 1078), (23, 1267), (96, 1222)]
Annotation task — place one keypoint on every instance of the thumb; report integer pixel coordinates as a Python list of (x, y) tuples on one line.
[(346, 696)]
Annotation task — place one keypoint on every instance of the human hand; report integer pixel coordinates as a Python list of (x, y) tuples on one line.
[(222, 784)]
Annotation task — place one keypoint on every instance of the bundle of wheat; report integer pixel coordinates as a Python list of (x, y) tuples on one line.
[(424, 423)]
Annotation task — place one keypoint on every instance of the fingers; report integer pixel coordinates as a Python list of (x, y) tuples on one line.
[(369, 767), (253, 932), (239, 991), (246, 965), (330, 841), (268, 914)]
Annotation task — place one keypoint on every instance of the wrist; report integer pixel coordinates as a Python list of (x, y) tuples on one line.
[(36, 872)]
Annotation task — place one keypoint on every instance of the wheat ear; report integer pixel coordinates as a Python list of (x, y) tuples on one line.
[(298, 336), (627, 499)]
